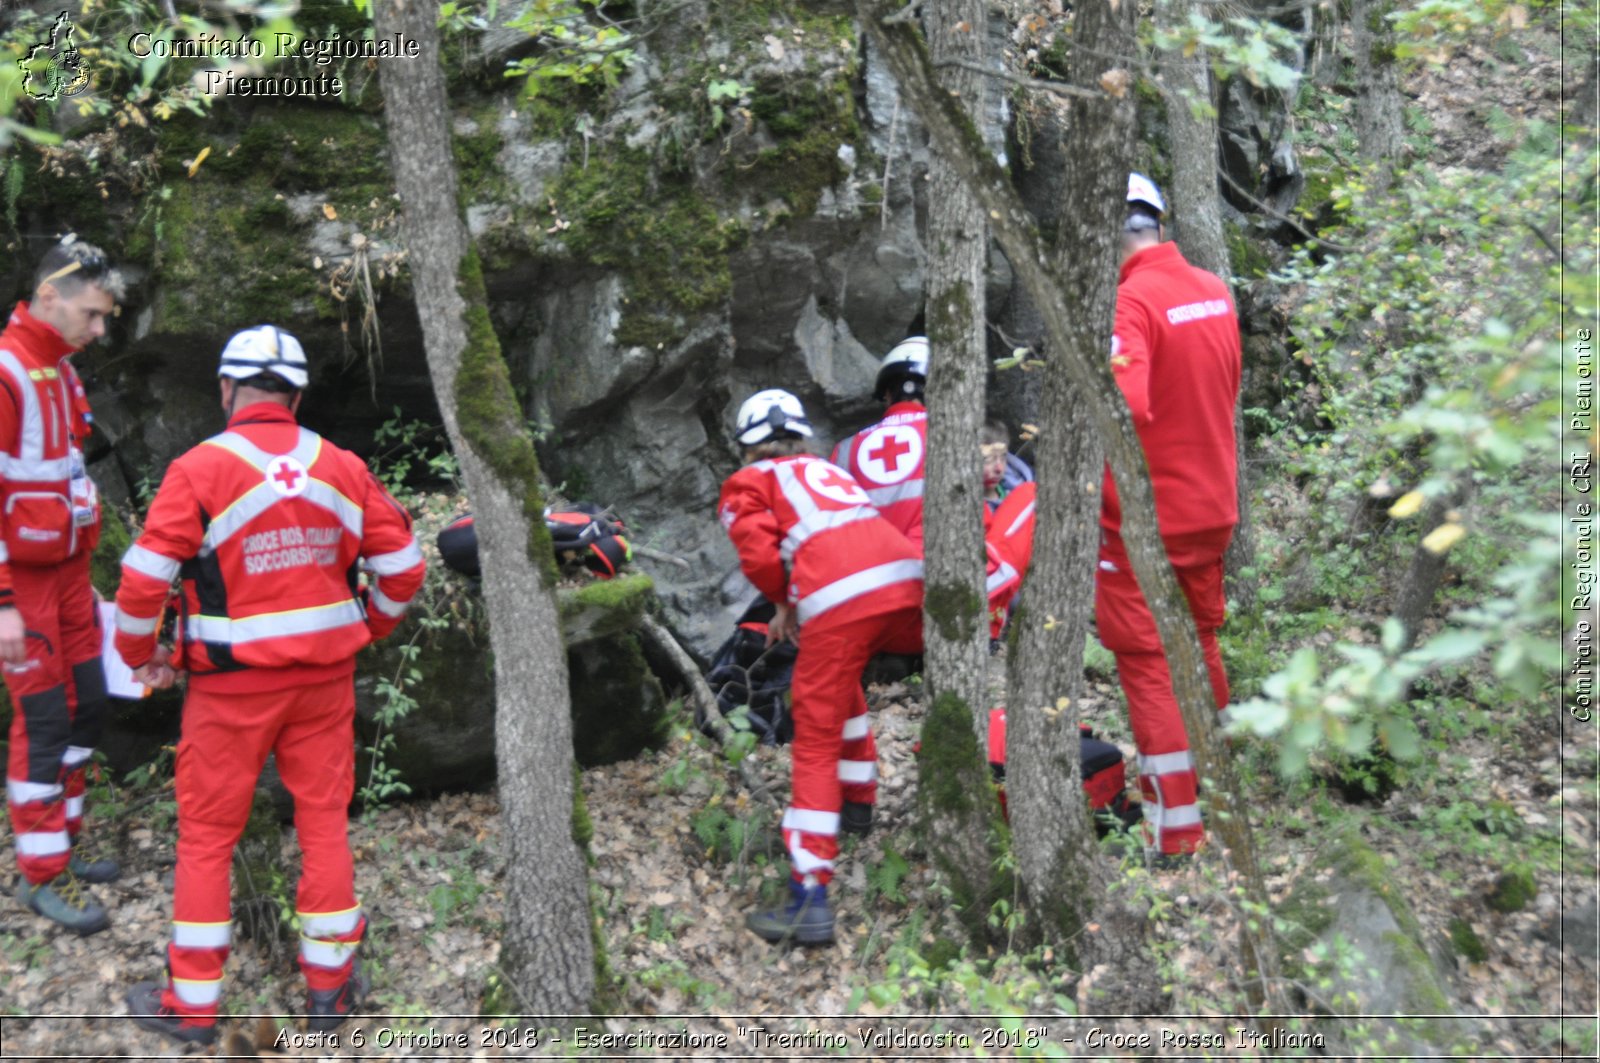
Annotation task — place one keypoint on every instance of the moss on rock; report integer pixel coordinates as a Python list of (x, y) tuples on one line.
[(105, 564), (1513, 890), (604, 607), (1466, 942)]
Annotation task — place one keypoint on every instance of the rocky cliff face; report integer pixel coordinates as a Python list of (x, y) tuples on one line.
[(741, 211)]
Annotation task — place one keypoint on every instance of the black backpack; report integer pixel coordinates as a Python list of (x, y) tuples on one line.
[(748, 672)]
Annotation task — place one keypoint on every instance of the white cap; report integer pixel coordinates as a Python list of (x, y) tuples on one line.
[(265, 349), (1143, 190), (766, 413)]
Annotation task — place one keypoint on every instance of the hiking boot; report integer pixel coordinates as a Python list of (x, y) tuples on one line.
[(806, 919), (149, 1013), (64, 900), (94, 871), (326, 1009), (1171, 861), (856, 818)]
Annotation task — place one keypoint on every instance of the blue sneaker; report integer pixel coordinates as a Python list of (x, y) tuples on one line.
[(805, 920)]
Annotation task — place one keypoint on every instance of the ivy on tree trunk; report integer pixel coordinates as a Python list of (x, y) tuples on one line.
[(548, 952)]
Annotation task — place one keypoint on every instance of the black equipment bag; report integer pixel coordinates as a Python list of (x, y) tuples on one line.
[(582, 534), (746, 671)]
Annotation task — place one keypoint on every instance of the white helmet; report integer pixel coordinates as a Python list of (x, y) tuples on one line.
[(1142, 190), (766, 413), (265, 349), (904, 370)]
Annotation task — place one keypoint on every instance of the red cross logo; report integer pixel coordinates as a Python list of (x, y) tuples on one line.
[(889, 454), (834, 483), (287, 476)]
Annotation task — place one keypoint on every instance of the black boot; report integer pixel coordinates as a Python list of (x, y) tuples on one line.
[(806, 919), (149, 1013), (326, 1009), (856, 818)]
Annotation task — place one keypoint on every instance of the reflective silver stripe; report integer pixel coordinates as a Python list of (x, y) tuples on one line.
[(1106, 566), (149, 563), (330, 954), (259, 499), (29, 463), (856, 727), (246, 508), (75, 807), (805, 861), (858, 771), (22, 792), (1181, 816), (387, 605), (76, 755), (37, 843), (819, 521), (1166, 763), (38, 471), (328, 924), (794, 491), (136, 625), (1022, 518), (275, 625), (202, 935), (900, 492), (396, 562), (5, 555), (197, 994), (1000, 577), (811, 821), (308, 445), (854, 586)]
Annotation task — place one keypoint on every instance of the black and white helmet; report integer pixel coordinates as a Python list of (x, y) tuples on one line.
[(904, 371)]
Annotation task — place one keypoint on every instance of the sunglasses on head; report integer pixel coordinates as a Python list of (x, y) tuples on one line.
[(92, 264)]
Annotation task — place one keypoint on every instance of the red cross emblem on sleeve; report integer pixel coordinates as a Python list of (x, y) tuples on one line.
[(287, 477)]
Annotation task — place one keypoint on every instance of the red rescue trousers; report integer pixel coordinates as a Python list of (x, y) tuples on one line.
[(225, 742), (1166, 770), (835, 758), (58, 701)]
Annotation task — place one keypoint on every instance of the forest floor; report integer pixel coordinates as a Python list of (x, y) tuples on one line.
[(672, 880)]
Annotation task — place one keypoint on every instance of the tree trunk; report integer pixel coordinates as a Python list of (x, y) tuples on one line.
[(1082, 354), (1421, 583), (1380, 121), (547, 953), (1061, 869), (1191, 120), (959, 821)]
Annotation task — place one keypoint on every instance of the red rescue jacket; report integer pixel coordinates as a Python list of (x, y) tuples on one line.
[(887, 459), (1008, 542), (269, 526), (808, 535), (49, 508), (1175, 355)]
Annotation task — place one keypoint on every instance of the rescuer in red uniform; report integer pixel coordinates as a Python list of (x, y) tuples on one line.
[(50, 638), (887, 458), (1175, 355), (268, 526), (847, 585)]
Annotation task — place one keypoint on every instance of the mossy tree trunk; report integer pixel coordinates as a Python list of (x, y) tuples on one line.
[(1380, 119), (1062, 872), (1081, 354), (960, 816), (1197, 205), (548, 952)]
